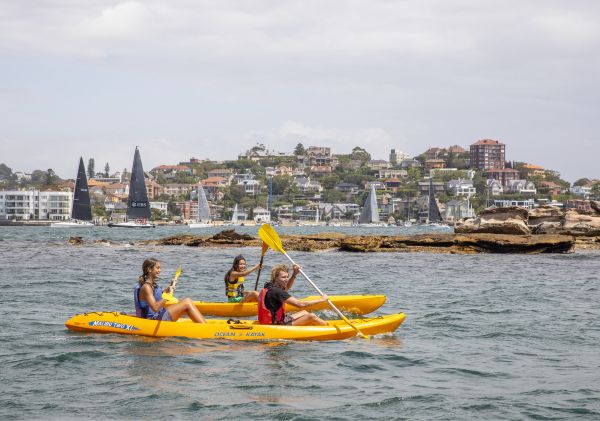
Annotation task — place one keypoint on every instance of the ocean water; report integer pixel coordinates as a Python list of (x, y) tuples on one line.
[(486, 337)]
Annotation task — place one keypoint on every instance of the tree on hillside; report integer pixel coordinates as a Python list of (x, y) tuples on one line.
[(299, 150), (106, 170), (596, 190), (38, 176), (5, 172), (281, 183), (50, 177), (233, 194), (582, 182), (360, 154), (91, 169)]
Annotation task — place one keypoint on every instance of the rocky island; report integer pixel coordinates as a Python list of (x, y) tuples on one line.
[(498, 230)]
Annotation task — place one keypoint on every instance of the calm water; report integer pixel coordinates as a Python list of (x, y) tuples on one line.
[(486, 337)]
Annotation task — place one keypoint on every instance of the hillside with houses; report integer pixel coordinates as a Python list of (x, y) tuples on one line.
[(308, 184)]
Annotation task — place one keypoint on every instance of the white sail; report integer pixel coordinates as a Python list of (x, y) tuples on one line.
[(203, 210), (203, 217), (370, 212), (234, 217)]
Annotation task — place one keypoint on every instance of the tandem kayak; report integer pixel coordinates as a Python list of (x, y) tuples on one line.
[(242, 330), (357, 304)]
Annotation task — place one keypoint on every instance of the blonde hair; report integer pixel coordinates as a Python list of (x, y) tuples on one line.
[(276, 269)]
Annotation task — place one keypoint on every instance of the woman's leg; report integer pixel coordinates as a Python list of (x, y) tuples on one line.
[(250, 297), (185, 306), (303, 318)]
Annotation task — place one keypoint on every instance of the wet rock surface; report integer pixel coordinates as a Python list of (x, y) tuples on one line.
[(75, 240), (510, 220), (437, 243), (542, 220)]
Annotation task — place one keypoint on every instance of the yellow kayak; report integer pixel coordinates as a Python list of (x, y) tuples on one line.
[(357, 304), (244, 330)]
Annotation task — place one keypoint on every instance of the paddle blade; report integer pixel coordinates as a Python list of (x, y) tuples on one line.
[(178, 272), (169, 299), (270, 237), (265, 247)]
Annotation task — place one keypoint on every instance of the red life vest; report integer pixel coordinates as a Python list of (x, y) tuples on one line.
[(266, 316)]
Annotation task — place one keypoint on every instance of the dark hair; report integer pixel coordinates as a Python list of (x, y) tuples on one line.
[(234, 267), (146, 266)]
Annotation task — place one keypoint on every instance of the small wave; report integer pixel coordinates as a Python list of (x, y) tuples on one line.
[(356, 354), (59, 359), (363, 368), (474, 373)]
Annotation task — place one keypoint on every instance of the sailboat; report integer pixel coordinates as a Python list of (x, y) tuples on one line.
[(235, 216), (138, 206), (369, 217), (81, 213), (203, 217), (434, 216)]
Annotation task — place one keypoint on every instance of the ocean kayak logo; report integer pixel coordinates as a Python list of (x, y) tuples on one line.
[(115, 325)]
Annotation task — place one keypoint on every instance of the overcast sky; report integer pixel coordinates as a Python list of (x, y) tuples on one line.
[(209, 79)]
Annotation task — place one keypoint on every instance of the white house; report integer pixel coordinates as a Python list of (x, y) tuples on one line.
[(391, 173), (462, 187), (161, 206), (458, 209), (521, 187), (250, 186), (584, 191), (34, 204), (305, 185), (494, 187), (261, 215)]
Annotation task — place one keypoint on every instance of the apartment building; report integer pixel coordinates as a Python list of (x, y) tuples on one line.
[(487, 154), (34, 204)]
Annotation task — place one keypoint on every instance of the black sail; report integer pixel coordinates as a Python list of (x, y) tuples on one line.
[(138, 206), (81, 198), (434, 214)]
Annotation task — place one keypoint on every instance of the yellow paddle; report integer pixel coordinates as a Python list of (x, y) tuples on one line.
[(265, 247), (168, 296), (270, 236)]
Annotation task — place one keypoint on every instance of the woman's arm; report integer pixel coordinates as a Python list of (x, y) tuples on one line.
[(293, 277), (147, 295), (300, 304), (235, 274)]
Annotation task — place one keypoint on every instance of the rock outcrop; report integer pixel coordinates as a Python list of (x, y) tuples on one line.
[(437, 243), (75, 240), (542, 220), (511, 220)]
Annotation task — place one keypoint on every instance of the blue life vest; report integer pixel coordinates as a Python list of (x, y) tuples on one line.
[(142, 309)]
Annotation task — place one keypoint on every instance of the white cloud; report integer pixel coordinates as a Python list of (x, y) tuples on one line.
[(123, 21), (371, 73)]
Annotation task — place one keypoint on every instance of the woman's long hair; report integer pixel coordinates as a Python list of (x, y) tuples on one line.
[(234, 267), (146, 267)]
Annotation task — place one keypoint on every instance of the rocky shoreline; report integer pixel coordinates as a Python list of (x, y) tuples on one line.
[(432, 243), (498, 230)]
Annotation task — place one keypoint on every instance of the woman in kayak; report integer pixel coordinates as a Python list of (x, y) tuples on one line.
[(148, 300), (274, 295), (234, 282)]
